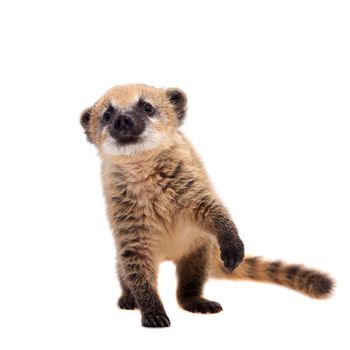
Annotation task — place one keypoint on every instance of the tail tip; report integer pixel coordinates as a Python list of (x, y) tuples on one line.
[(321, 285)]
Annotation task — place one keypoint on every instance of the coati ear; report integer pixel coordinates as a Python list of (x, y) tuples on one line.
[(179, 101), (85, 120)]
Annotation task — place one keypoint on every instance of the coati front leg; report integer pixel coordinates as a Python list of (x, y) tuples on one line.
[(231, 245), (214, 217), (192, 273), (139, 273)]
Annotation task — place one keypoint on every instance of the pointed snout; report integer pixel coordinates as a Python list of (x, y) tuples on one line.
[(122, 123), (126, 127)]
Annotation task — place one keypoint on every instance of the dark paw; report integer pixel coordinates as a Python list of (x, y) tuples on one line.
[(127, 302), (232, 253), (203, 306), (155, 320)]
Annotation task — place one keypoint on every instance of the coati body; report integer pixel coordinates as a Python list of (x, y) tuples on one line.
[(161, 206)]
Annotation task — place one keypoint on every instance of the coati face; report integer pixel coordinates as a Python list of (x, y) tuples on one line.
[(131, 119)]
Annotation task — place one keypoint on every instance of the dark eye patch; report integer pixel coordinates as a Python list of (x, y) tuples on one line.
[(107, 115), (146, 107)]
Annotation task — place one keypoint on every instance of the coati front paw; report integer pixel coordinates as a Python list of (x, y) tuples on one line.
[(127, 302), (232, 252), (203, 306), (155, 320)]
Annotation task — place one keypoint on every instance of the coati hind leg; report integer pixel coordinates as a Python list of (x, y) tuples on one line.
[(192, 273), (126, 300)]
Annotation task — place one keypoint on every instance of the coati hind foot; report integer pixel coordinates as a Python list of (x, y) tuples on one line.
[(127, 302), (201, 305)]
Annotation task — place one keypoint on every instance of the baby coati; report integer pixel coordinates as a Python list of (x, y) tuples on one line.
[(161, 206)]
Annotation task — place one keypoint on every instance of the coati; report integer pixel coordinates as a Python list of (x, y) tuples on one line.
[(162, 206)]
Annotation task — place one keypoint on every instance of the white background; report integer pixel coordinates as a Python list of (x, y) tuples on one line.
[(268, 88)]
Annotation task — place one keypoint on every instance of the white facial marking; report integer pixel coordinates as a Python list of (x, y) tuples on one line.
[(113, 102), (148, 140)]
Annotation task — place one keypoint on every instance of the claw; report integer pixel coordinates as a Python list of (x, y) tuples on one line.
[(155, 321)]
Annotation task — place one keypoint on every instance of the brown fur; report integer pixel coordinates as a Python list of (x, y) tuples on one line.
[(314, 283), (161, 206)]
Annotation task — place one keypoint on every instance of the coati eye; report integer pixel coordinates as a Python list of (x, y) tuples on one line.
[(107, 116), (148, 109)]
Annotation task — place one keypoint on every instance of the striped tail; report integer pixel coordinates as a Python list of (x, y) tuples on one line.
[(311, 282)]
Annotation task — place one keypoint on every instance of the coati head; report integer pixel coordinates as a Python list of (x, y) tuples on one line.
[(130, 119)]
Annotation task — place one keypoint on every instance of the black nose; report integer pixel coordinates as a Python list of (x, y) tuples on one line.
[(122, 123)]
